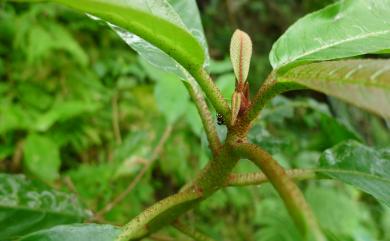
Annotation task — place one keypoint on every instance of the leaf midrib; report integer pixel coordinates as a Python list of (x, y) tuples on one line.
[(339, 80), (358, 37)]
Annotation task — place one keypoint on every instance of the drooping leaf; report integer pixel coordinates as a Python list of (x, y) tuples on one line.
[(241, 54), (27, 206), (79, 232), (360, 166), (189, 13), (364, 83), (344, 29), (183, 13), (41, 157), (149, 27)]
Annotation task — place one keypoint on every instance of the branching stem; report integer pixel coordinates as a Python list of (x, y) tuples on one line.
[(287, 189), (270, 88), (257, 178), (212, 92), (205, 116)]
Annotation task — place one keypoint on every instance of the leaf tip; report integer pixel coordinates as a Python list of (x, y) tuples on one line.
[(241, 54)]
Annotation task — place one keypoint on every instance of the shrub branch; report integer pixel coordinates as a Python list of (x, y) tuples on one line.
[(287, 189)]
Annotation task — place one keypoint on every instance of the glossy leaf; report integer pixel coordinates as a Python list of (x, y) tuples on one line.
[(344, 29), (41, 157), (241, 54), (154, 21), (361, 166), (79, 232), (183, 13), (364, 83), (27, 206)]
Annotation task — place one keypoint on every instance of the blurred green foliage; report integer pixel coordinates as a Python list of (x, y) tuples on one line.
[(80, 111)]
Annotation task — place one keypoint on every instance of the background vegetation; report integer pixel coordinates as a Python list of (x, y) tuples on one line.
[(81, 112)]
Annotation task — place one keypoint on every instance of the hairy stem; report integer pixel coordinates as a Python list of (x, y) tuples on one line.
[(191, 232), (267, 91), (287, 189), (145, 223), (257, 178), (164, 212), (212, 92), (205, 116)]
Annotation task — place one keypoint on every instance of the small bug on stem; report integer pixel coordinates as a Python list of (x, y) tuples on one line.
[(220, 120)]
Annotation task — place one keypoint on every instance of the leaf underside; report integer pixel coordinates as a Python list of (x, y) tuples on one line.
[(240, 54), (344, 29), (154, 26), (364, 83)]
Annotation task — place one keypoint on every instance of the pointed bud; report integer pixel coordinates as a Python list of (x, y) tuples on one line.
[(236, 105), (240, 54)]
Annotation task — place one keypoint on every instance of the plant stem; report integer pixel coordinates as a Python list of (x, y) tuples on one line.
[(212, 92), (164, 212), (270, 88), (257, 178), (151, 219), (287, 189), (205, 116), (191, 232)]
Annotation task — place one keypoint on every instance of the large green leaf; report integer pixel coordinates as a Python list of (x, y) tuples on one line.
[(361, 166), (153, 28), (153, 21), (41, 157), (27, 206), (184, 13), (364, 83), (344, 29), (79, 232)]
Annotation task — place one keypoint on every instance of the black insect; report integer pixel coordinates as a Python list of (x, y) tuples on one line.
[(220, 120)]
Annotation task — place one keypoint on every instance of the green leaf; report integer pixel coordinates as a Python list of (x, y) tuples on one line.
[(14, 117), (364, 83), (226, 84), (360, 166), (183, 13), (344, 29), (42, 157), (27, 206), (343, 221), (62, 111), (140, 22), (44, 38), (171, 97), (190, 15), (79, 232)]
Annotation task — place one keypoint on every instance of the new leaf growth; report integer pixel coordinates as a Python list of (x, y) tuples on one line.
[(240, 55)]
